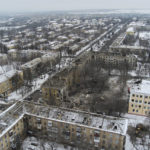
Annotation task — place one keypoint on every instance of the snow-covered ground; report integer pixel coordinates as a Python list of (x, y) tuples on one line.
[(39, 144), (21, 94), (6, 68), (133, 120)]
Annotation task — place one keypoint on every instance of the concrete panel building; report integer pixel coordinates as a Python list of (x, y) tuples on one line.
[(139, 101)]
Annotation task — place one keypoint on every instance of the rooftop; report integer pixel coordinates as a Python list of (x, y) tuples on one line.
[(16, 112), (142, 87), (31, 63), (144, 35), (130, 29), (10, 116), (91, 120), (7, 75)]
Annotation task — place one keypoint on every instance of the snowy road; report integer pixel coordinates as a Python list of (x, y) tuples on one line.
[(36, 84)]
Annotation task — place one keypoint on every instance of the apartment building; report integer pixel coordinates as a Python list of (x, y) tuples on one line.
[(54, 91), (30, 67), (139, 101), (116, 59), (12, 130), (51, 58), (78, 128), (9, 81), (130, 31)]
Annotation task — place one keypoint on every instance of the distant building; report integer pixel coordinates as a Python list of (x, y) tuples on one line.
[(51, 58), (116, 59), (3, 58), (13, 53), (30, 67), (130, 31)]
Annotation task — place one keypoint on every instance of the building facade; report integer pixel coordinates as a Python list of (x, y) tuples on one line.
[(9, 81), (139, 101), (78, 128), (116, 59)]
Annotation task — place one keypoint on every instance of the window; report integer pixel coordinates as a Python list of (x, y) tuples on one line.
[(133, 95), (96, 136), (140, 101), (146, 96), (132, 105), (133, 110), (145, 102), (136, 110), (49, 124), (140, 96), (136, 101), (132, 100), (117, 141), (137, 95), (103, 142), (139, 106)]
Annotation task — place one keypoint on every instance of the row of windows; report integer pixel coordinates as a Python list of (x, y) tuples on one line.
[(11, 133), (140, 106), (51, 125), (140, 101), (141, 96), (146, 112)]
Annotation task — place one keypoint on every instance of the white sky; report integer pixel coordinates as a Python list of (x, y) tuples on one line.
[(48, 5)]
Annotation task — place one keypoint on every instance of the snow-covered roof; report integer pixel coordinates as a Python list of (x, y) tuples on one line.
[(142, 88), (7, 75), (8, 120), (31, 63), (81, 118), (138, 24), (106, 123), (144, 35), (12, 50), (131, 29)]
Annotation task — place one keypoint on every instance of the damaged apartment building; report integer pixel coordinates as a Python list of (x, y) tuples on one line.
[(115, 59), (78, 128), (56, 89)]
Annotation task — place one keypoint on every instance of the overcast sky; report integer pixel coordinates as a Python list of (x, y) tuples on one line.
[(48, 5)]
